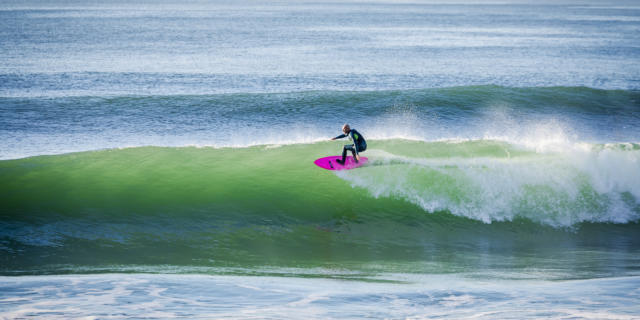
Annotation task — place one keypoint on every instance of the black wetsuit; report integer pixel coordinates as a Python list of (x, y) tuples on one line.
[(359, 144)]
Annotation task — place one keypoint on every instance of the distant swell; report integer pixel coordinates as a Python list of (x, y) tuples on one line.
[(33, 126)]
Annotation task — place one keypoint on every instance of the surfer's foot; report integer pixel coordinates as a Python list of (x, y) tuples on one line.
[(340, 161)]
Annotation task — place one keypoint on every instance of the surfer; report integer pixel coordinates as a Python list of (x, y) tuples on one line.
[(359, 144)]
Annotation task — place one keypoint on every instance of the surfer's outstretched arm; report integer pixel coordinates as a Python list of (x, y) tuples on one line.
[(339, 137)]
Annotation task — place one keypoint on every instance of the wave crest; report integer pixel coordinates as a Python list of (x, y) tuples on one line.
[(587, 183)]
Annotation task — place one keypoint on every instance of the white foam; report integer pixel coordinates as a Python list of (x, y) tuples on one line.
[(133, 296), (571, 184)]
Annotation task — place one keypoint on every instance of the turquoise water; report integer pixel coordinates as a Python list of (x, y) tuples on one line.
[(157, 160)]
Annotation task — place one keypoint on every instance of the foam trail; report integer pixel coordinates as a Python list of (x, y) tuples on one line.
[(447, 296), (584, 183)]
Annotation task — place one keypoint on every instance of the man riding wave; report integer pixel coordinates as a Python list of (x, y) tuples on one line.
[(359, 144)]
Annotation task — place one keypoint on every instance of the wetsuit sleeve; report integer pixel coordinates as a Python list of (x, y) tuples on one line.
[(340, 136), (355, 143)]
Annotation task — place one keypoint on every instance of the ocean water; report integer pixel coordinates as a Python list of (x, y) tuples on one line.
[(156, 160)]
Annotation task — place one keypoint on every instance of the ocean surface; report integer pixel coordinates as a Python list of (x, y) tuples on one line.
[(156, 160)]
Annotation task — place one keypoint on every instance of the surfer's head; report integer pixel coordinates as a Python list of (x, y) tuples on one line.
[(345, 128)]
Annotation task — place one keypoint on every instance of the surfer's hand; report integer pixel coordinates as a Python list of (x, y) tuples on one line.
[(333, 138)]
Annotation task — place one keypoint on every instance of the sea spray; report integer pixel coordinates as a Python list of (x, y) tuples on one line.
[(557, 189)]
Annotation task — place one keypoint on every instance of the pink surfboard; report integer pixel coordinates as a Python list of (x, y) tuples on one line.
[(330, 163)]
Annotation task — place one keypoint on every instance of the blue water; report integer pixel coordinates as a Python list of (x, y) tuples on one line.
[(64, 48), (156, 159)]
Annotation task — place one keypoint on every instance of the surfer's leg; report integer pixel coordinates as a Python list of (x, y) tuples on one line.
[(361, 147), (344, 153)]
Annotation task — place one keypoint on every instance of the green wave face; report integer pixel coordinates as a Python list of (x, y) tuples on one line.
[(443, 205)]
